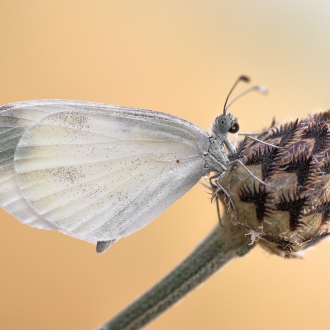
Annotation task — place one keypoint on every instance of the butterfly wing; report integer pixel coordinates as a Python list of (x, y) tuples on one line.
[(15, 119), (100, 172)]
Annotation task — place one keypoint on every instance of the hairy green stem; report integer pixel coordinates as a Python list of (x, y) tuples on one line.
[(220, 246)]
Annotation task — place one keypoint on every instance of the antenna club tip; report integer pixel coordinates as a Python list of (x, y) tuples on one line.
[(262, 89), (244, 78)]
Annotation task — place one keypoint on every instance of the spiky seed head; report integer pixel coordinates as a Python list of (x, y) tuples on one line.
[(291, 212)]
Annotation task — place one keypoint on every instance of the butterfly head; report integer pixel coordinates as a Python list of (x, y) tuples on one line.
[(225, 123)]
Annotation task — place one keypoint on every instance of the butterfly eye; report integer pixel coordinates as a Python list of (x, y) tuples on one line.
[(234, 128)]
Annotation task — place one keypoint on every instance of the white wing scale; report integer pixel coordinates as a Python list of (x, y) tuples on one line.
[(98, 172)]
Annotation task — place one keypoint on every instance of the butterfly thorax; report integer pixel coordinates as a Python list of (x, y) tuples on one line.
[(216, 158)]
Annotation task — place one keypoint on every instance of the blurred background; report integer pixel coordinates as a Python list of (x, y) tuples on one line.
[(179, 57)]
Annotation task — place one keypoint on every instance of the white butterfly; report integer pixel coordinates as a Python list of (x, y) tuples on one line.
[(100, 172)]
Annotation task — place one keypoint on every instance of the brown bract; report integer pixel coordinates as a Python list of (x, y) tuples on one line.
[(292, 211)]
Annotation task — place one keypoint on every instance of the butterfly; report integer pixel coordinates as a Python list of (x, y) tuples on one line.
[(100, 172)]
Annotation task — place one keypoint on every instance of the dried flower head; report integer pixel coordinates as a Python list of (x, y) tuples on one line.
[(292, 211)]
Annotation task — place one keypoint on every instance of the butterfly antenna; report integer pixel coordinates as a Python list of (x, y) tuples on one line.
[(259, 88), (241, 78)]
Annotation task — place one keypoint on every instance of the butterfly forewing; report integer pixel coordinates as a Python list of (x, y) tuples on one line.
[(99, 172)]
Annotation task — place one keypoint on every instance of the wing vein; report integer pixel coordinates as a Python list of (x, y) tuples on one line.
[(122, 208), (82, 183), (105, 195), (101, 143)]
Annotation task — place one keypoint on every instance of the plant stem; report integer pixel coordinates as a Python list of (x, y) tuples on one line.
[(222, 245)]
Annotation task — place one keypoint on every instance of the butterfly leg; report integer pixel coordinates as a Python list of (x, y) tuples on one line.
[(239, 162), (262, 142), (235, 153), (217, 189)]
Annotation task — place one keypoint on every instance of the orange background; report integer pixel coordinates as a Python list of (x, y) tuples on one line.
[(179, 57)]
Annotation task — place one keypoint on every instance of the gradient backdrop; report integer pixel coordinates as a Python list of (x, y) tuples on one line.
[(179, 57)]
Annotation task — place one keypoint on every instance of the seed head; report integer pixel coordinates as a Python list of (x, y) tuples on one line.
[(291, 212)]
